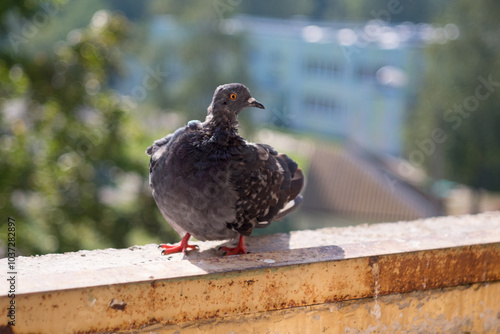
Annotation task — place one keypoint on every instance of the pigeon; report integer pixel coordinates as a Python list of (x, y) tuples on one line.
[(212, 184)]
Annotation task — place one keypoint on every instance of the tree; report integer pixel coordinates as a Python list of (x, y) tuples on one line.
[(74, 172), (461, 98)]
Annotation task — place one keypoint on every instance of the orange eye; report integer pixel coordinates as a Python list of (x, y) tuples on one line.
[(232, 96)]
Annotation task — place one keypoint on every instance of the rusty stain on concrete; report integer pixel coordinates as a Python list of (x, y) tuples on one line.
[(7, 329), (437, 268), (117, 305)]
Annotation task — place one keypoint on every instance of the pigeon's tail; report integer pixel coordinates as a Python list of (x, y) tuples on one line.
[(294, 199), (289, 208), (296, 185)]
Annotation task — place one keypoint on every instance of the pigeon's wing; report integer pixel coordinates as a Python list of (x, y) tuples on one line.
[(157, 149), (265, 182), (161, 146)]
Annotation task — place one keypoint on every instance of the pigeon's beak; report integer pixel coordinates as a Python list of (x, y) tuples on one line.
[(254, 103)]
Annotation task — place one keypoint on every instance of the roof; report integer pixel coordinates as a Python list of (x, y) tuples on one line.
[(351, 182)]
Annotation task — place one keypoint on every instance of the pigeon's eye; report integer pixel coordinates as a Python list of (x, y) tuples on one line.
[(232, 96)]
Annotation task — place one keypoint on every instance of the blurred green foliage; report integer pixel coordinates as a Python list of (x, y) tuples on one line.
[(460, 98), (74, 173)]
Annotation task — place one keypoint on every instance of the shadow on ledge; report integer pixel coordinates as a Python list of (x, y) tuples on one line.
[(263, 252)]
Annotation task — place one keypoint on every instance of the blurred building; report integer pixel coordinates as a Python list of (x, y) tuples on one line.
[(353, 81)]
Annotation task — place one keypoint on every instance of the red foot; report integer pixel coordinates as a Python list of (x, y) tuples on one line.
[(239, 249), (181, 247)]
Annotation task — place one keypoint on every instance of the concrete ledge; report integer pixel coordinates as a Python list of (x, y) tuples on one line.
[(134, 288)]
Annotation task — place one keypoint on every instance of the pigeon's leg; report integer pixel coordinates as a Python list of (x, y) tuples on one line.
[(239, 249), (181, 247)]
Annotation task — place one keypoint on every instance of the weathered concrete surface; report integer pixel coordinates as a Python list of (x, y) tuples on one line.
[(91, 291)]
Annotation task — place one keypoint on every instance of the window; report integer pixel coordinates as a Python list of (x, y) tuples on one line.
[(320, 105), (321, 67)]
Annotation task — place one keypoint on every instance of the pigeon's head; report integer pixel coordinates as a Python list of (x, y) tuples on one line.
[(230, 99)]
